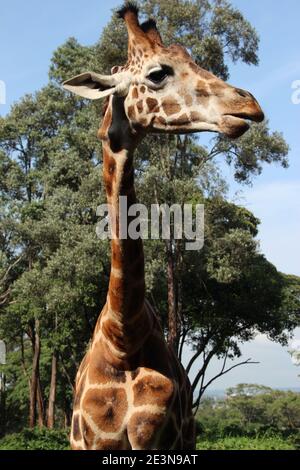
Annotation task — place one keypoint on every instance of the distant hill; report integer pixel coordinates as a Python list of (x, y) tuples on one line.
[(219, 394)]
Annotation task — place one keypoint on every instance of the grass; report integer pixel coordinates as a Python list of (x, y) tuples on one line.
[(246, 443), (43, 439), (35, 439)]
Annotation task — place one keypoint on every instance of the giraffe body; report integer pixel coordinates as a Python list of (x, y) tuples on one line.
[(131, 390), (144, 405)]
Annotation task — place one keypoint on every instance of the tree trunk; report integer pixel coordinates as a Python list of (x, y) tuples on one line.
[(172, 308), (67, 414), (40, 404), (67, 408), (34, 375), (2, 405), (51, 405)]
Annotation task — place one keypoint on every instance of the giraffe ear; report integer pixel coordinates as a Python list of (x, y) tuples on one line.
[(92, 85), (115, 69)]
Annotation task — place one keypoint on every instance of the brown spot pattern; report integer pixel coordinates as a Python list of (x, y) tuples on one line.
[(140, 106), (79, 392), (161, 120), (201, 72), (111, 166), (116, 254), (181, 120), (88, 434), (109, 444), (170, 106), (142, 429), (100, 372), (135, 373), (135, 93), (108, 408), (188, 100), (131, 112), (76, 429), (112, 331), (152, 104), (195, 116), (153, 389), (108, 187)]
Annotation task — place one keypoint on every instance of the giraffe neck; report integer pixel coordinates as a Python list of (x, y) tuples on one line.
[(126, 291), (125, 321)]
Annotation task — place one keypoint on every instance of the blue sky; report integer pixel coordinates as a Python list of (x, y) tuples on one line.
[(31, 31)]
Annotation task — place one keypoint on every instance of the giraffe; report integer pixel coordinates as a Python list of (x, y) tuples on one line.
[(131, 390)]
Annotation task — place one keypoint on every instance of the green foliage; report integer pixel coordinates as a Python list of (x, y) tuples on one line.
[(36, 439), (253, 150), (70, 58), (52, 262), (247, 390), (252, 411), (52, 266), (246, 443), (212, 30)]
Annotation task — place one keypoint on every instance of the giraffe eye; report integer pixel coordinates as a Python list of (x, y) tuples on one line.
[(157, 76)]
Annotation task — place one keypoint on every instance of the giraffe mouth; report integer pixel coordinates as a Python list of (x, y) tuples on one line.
[(256, 116), (234, 125)]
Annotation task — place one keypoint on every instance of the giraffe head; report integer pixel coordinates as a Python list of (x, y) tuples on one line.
[(161, 89)]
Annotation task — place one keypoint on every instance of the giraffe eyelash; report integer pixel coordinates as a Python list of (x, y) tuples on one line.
[(157, 76)]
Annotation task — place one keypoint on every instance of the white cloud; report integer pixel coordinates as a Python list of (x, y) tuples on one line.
[(274, 369), (262, 340), (295, 345), (295, 352)]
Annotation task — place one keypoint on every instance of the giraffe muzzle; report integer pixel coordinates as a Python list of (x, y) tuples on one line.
[(257, 116), (235, 124)]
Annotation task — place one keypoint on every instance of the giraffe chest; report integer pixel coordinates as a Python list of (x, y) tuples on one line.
[(128, 413)]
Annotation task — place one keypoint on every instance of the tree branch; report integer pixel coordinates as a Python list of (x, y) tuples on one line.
[(203, 368), (199, 351), (182, 340), (4, 277), (221, 373)]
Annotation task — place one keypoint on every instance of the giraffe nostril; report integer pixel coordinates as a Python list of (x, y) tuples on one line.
[(243, 93)]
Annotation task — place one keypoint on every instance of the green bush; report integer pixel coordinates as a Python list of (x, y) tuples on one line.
[(246, 443), (295, 439), (36, 439), (262, 413)]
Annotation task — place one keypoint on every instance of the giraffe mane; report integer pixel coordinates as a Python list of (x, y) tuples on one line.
[(128, 7), (148, 25), (105, 106)]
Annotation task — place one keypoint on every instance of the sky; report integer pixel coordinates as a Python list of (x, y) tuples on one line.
[(31, 31)]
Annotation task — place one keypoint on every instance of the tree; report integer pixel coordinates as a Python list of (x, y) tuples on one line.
[(53, 270), (49, 202), (247, 390), (251, 410), (294, 292)]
